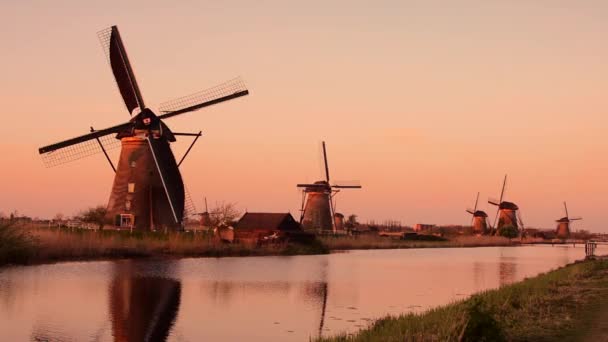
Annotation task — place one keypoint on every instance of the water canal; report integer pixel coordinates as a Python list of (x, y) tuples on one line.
[(254, 298)]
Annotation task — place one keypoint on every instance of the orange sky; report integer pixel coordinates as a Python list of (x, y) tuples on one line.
[(424, 102)]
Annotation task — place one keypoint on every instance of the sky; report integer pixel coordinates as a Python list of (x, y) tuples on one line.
[(425, 103)]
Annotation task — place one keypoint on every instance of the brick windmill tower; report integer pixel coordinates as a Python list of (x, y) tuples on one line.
[(563, 224), (479, 221), (508, 212), (317, 212), (148, 191)]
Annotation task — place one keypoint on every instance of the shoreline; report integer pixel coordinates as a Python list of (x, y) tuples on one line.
[(40, 245), (568, 303), (128, 255)]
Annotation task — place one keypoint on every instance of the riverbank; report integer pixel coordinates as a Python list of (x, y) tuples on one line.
[(33, 244), (564, 304)]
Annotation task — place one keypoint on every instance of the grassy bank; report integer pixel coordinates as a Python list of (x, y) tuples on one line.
[(377, 242), (35, 244), (565, 304), (31, 244)]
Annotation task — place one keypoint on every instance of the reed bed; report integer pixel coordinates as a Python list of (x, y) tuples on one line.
[(560, 305), (378, 242), (43, 244)]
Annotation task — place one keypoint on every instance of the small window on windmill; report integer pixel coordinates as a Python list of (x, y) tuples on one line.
[(126, 220), (128, 205), (131, 188), (133, 163)]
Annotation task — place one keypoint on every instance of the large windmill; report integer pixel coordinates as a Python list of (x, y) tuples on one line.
[(148, 191), (479, 222), (563, 224), (507, 213), (317, 212)]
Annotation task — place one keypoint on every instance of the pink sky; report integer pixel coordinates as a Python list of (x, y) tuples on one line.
[(424, 102)]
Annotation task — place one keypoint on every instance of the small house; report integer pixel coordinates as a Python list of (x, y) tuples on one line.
[(259, 226)]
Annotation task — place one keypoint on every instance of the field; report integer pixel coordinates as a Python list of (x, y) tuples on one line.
[(38, 244), (566, 304), (377, 242), (31, 244)]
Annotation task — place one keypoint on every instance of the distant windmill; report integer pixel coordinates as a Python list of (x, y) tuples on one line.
[(317, 212), (563, 224), (205, 220), (479, 222), (507, 214), (148, 191)]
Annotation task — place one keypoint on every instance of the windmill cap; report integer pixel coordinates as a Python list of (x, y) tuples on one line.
[(508, 206), (480, 213), (563, 219)]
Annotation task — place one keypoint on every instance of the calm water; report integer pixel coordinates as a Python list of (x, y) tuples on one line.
[(253, 299)]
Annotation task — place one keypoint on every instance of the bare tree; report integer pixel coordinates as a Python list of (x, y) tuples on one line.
[(224, 214)]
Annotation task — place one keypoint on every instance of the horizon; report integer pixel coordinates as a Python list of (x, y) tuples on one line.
[(425, 104)]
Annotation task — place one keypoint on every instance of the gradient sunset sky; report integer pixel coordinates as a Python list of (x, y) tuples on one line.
[(424, 102)]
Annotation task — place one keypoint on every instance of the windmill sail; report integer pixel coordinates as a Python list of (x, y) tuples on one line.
[(121, 68), (169, 175), (223, 92), (80, 147)]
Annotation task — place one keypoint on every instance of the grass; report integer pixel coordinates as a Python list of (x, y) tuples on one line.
[(32, 244), (39, 244), (16, 245), (377, 242), (560, 305)]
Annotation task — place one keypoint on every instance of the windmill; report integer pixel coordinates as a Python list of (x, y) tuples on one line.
[(507, 213), (317, 212), (148, 191), (205, 217), (563, 224), (479, 221)]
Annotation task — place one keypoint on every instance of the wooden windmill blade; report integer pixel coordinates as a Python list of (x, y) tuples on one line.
[(325, 162), (82, 146), (121, 68), (169, 176), (353, 184), (220, 93)]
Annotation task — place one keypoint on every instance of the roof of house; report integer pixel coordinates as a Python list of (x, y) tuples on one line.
[(267, 221)]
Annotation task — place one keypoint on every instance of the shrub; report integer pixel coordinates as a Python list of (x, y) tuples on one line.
[(16, 245)]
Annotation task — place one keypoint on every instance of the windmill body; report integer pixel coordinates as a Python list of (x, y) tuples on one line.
[(563, 224), (148, 191), (138, 196), (479, 223), (507, 213), (318, 211), (317, 202)]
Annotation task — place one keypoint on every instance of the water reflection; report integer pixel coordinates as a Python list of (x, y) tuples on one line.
[(507, 269), (253, 299), (142, 307)]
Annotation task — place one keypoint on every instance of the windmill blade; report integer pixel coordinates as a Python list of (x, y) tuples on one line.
[(494, 201), (223, 92), (80, 147), (347, 185), (476, 200), (169, 176), (576, 218), (121, 68), (566, 208), (502, 192), (325, 161), (521, 222), (470, 211), (311, 186)]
